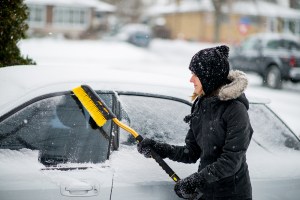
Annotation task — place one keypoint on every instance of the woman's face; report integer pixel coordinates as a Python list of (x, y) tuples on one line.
[(197, 84)]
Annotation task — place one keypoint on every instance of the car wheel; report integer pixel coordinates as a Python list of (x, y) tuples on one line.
[(273, 77)]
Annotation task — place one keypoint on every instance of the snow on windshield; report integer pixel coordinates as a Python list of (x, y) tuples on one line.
[(273, 146), (157, 118)]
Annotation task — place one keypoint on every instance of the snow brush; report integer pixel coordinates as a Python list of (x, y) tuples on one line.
[(101, 113)]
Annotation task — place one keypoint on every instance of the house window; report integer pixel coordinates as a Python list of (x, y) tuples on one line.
[(37, 15), (293, 26), (272, 25), (74, 17)]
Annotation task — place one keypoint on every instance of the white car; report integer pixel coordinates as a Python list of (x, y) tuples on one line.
[(50, 149)]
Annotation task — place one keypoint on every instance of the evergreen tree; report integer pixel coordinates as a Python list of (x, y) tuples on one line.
[(13, 26)]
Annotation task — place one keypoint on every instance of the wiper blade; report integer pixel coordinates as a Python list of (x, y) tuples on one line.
[(65, 168)]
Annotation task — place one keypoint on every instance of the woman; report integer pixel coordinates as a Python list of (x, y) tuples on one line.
[(219, 134)]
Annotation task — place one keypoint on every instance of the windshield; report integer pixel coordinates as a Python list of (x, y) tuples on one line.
[(270, 132), (250, 44), (274, 150), (60, 129)]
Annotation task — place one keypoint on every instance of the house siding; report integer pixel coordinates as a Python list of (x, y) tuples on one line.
[(195, 21), (199, 26)]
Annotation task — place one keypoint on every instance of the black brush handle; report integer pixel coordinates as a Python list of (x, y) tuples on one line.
[(164, 165), (161, 162), (168, 170)]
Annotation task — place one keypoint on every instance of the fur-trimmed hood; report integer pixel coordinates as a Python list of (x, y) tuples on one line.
[(237, 83), (236, 87)]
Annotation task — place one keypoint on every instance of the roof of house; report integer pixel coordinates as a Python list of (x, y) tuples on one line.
[(98, 5), (257, 8), (261, 8), (184, 6)]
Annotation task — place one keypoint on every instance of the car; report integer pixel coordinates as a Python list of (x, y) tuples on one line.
[(273, 56), (51, 149), (137, 34)]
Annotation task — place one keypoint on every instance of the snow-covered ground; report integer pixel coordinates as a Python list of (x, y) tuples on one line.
[(163, 57)]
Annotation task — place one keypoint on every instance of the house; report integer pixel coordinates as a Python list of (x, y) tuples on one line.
[(69, 18), (194, 19)]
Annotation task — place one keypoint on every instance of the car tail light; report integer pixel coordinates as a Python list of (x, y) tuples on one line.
[(292, 61)]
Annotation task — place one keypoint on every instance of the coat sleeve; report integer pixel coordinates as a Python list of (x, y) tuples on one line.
[(238, 136), (189, 153)]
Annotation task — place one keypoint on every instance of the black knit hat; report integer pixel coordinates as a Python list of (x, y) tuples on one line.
[(211, 66)]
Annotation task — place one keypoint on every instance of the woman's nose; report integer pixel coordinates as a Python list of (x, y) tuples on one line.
[(192, 79)]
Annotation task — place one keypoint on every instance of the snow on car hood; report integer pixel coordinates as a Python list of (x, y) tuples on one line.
[(272, 165)]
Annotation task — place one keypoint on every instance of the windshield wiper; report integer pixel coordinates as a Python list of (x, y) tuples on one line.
[(65, 168)]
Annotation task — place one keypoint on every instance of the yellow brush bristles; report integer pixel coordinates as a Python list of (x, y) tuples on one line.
[(90, 106)]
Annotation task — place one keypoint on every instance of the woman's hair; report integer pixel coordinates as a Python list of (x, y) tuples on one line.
[(194, 96), (213, 93)]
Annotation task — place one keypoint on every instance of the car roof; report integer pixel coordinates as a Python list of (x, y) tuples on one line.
[(21, 83), (271, 36)]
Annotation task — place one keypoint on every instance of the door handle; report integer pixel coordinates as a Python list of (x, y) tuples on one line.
[(83, 188)]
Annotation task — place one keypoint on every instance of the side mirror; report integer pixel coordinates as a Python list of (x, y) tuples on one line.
[(292, 143)]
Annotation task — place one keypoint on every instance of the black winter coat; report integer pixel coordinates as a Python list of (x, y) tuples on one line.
[(220, 133)]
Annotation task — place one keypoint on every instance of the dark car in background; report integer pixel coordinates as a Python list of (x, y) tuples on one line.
[(275, 57)]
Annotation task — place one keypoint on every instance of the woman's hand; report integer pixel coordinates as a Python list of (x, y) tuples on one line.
[(144, 147)]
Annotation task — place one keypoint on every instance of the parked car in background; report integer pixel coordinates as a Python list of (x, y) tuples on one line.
[(137, 34), (275, 57), (50, 148)]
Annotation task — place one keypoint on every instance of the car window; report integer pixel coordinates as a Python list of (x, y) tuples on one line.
[(161, 119), (270, 132), (291, 45), (251, 44), (273, 44), (59, 128)]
